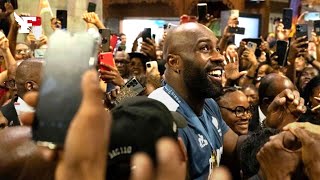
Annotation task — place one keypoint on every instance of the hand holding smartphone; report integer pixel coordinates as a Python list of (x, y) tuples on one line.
[(60, 95), (106, 58), (146, 34)]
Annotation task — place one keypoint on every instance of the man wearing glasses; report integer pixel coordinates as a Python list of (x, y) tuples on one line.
[(235, 109)]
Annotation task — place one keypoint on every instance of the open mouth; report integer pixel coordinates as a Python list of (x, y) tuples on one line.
[(216, 74)]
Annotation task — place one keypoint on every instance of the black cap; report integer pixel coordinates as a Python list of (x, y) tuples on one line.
[(138, 123), (143, 57)]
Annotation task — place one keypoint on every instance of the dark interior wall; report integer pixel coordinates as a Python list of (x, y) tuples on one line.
[(141, 10)]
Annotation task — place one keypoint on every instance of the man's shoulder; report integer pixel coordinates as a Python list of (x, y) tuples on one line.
[(212, 105), (161, 95)]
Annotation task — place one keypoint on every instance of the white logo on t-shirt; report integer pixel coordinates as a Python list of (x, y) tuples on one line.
[(203, 142)]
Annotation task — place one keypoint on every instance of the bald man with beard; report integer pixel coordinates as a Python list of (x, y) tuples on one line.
[(28, 78), (193, 77)]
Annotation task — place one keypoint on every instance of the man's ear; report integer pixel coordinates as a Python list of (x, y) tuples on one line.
[(31, 85), (174, 62), (28, 85)]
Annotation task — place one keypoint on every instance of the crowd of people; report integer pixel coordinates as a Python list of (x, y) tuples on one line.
[(208, 109)]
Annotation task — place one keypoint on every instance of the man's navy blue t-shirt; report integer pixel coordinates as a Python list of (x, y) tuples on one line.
[(204, 134)]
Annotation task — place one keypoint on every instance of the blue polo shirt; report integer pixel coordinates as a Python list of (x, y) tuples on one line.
[(204, 134)]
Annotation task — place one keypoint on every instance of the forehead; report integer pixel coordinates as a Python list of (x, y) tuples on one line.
[(196, 32), (120, 55), (249, 91), (232, 46), (22, 46), (236, 98)]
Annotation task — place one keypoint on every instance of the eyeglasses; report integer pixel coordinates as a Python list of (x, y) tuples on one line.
[(25, 51), (240, 111)]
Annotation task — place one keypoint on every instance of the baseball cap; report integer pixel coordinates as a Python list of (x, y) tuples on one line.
[(143, 57), (138, 123)]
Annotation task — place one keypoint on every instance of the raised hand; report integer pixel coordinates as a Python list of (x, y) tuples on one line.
[(231, 67), (93, 18), (149, 48), (284, 109), (4, 43), (111, 75)]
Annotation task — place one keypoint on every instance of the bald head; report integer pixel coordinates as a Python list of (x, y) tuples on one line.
[(184, 38), (28, 76)]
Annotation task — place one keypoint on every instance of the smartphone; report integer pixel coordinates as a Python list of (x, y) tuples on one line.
[(151, 65), (146, 34), (39, 53), (302, 30), (316, 26), (236, 30), (312, 16), (62, 15), (14, 3), (92, 7), (287, 14), (106, 58), (252, 46), (131, 89), (105, 35), (202, 11), (113, 41), (282, 47), (172, 26), (60, 95)]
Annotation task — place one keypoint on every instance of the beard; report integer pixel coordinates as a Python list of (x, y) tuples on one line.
[(198, 82)]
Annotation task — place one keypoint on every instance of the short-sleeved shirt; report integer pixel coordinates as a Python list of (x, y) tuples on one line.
[(204, 134)]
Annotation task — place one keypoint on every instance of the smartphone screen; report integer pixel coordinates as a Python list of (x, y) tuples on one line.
[(202, 11), (287, 14), (92, 7), (146, 34), (105, 35), (62, 15), (60, 95), (281, 52)]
